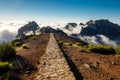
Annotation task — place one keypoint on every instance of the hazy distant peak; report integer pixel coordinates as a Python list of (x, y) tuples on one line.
[(70, 26), (81, 24)]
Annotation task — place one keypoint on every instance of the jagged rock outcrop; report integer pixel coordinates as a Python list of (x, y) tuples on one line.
[(70, 26), (31, 26), (101, 27), (48, 29), (100, 31)]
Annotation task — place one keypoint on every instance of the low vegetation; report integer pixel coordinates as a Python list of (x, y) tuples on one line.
[(81, 49), (7, 51), (103, 49), (4, 67), (32, 37), (16, 42), (100, 48), (81, 44), (117, 50), (24, 46), (4, 70)]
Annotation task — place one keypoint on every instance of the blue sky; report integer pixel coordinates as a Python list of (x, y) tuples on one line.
[(61, 10)]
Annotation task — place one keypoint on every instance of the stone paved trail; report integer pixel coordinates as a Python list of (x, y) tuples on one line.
[(54, 66)]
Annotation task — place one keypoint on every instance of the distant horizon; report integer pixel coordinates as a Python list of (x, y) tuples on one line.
[(48, 21), (60, 10)]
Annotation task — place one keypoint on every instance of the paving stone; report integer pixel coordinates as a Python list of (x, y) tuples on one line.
[(54, 65)]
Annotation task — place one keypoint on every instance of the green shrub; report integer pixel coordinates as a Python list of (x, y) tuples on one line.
[(18, 44), (7, 51), (5, 67), (81, 49), (103, 49), (24, 46), (117, 50), (80, 44), (32, 37)]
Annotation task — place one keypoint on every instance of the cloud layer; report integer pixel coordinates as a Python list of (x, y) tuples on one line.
[(6, 36)]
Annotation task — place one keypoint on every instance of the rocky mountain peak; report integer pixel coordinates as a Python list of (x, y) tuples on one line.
[(104, 27), (70, 26), (31, 26), (48, 29), (101, 30)]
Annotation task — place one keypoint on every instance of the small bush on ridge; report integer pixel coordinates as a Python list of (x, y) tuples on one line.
[(18, 44), (24, 46), (32, 37), (81, 49), (117, 50), (103, 49)]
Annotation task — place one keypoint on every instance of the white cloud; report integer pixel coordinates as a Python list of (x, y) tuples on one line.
[(8, 29), (6, 36)]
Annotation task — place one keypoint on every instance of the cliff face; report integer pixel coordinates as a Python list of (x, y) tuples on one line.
[(100, 31), (31, 26), (101, 27)]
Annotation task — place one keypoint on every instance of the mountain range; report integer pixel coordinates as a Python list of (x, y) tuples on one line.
[(100, 31), (94, 32)]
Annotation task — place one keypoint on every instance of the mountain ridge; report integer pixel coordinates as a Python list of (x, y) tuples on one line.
[(96, 32)]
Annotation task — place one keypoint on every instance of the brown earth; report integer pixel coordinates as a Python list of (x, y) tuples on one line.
[(91, 66), (84, 65), (30, 57)]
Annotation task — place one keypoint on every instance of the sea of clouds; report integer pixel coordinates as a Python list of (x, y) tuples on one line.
[(9, 29)]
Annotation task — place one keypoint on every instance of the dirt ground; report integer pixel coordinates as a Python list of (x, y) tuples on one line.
[(92, 66), (30, 57), (84, 65)]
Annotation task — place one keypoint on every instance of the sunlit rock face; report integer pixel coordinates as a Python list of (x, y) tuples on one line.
[(31, 26)]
